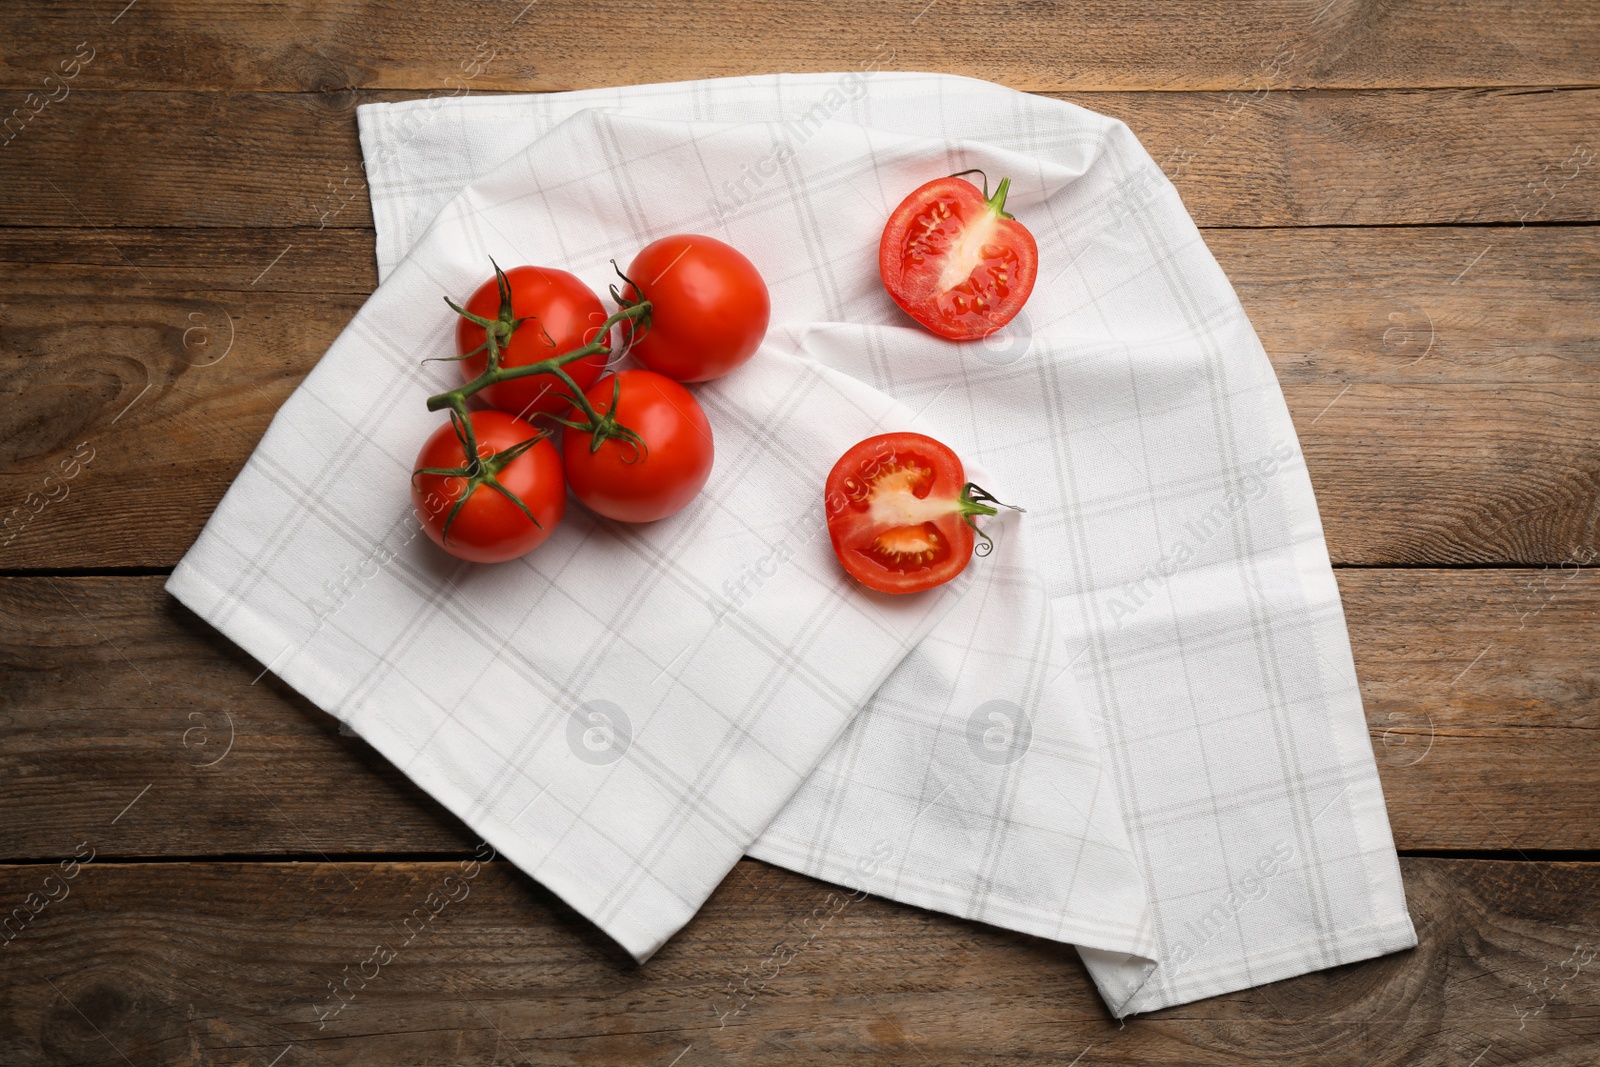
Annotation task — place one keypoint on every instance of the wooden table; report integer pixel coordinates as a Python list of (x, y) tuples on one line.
[(1404, 195)]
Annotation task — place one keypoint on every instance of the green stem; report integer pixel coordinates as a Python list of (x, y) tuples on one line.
[(975, 500), (484, 470), (494, 374), (469, 440), (478, 471), (997, 202)]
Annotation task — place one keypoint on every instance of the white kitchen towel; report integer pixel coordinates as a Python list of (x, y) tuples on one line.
[(624, 711), (1172, 543)]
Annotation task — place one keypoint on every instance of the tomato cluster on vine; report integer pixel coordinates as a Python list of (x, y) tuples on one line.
[(535, 348), (534, 344)]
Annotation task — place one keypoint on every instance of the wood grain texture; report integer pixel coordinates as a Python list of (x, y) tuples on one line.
[(299, 45), (1471, 679), (1456, 473), (1416, 305), (1313, 158), (185, 231), (1448, 415), (233, 963), (1482, 703)]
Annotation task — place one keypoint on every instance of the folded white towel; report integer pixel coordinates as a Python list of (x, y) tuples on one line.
[(1134, 727)]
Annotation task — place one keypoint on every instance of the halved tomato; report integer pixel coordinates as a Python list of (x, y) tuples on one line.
[(900, 512), (955, 261)]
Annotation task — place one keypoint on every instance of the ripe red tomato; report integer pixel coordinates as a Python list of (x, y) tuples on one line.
[(562, 314), (709, 307), (900, 512), (489, 528), (621, 481), (957, 262)]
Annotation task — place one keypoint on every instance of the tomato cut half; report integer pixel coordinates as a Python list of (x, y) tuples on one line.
[(900, 512), (955, 261)]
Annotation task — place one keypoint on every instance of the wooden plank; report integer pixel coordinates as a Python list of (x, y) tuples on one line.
[(1314, 158), (1415, 305), (1448, 414), (110, 681), (1481, 704), (1478, 686), (1373, 158), (216, 260), (564, 44), (1454, 473), (162, 395), (1421, 306), (146, 963)]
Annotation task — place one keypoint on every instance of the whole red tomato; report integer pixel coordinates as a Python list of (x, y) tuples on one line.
[(561, 313), (957, 262), (624, 481), (709, 307), (900, 512), (489, 527)]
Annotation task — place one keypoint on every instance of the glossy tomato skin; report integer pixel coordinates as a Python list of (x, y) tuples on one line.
[(565, 308), (709, 307), (619, 483), (898, 491), (955, 262), (489, 528)]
